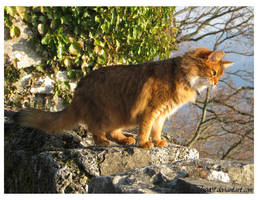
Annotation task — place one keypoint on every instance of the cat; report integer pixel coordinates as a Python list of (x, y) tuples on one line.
[(114, 98)]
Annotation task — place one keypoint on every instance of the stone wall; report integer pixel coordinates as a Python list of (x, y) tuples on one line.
[(35, 162), (38, 86)]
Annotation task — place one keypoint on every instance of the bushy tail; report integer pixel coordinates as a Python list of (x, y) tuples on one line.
[(50, 122)]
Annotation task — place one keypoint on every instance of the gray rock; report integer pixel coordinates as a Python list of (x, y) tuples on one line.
[(63, 168), (73, 86), (18, 48), (62, 76), (132, 157), (25, 80), (35, 162), (44, 172), (186, 176), (39, 163), (45, 86)]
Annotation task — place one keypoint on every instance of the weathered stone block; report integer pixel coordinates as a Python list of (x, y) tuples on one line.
[(185, 176), (35, 162)]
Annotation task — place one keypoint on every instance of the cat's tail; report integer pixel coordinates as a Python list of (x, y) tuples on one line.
[(49, 122)]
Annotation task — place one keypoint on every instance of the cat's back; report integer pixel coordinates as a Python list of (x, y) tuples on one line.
[(122, 77), (108, 72)]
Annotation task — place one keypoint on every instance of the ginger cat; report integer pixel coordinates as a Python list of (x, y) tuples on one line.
[(114, 98)]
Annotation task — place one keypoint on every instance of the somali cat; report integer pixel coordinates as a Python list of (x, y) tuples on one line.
[(114, 98)]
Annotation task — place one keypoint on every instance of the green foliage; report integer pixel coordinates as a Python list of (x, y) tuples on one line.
[(14, 32), (105, 35), (86, 38), (12, 75)]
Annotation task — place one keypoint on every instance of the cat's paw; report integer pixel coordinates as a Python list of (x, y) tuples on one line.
[(146, 145), (101, 140), (161, 143), (128, 141)]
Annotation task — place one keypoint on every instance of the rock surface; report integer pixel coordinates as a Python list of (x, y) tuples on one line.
[(186, 176), (39, 163), (18, 48)]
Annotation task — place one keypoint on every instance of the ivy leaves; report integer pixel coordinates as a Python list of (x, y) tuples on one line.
[(105, 35)]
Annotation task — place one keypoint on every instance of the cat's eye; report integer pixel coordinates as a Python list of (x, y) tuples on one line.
[(214, 72)]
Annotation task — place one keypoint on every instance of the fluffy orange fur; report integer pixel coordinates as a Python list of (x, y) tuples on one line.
[(114, 98)]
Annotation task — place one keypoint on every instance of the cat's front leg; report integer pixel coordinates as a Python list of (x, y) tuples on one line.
[(144, 132), (156, 132)]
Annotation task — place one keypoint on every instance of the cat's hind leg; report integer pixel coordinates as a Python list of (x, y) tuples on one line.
[(99, 138), (120, 138)]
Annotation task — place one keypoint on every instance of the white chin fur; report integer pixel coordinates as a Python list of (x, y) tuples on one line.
[(200, 83), (201, 88)]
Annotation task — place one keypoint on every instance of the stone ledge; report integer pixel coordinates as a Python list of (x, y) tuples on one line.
[(123, 159), (35, 162), (39, 163), (186, 176)]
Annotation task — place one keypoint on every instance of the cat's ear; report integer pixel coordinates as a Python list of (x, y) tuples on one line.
[(226, 63), (216, 56)]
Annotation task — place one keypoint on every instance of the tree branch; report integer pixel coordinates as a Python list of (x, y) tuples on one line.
[(198, 131)]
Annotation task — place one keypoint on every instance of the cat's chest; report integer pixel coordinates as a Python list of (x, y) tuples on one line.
[(168, 108)]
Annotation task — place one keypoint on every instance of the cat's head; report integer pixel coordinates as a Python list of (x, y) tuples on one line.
[(205, 67)]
